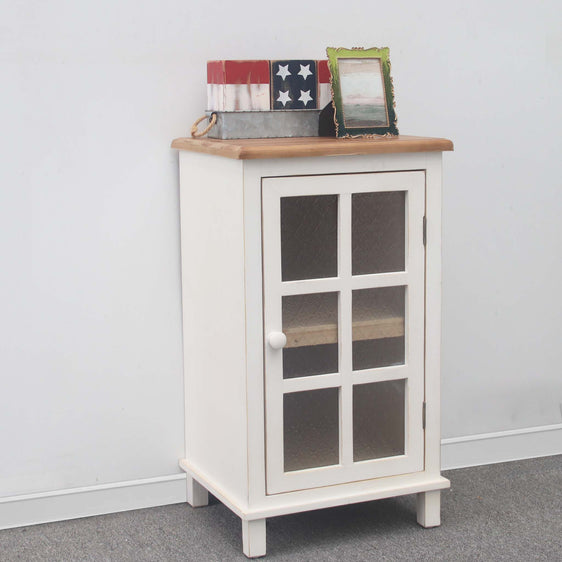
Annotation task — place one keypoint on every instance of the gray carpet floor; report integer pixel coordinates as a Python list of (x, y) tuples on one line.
[(510, 511)]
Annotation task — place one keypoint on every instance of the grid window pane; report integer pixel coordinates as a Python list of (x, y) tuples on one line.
[(378, 232), (311, 429), (309, 237), (378, 419), (310, 323), (378, 327)]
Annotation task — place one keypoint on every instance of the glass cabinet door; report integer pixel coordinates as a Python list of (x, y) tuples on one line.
[(343, 263)]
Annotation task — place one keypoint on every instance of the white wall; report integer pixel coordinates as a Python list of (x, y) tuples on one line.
[(92, 94)]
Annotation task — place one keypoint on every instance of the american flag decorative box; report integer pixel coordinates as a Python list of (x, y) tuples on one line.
[(261, 98), (300, 84), (294, 84), (238, 85)]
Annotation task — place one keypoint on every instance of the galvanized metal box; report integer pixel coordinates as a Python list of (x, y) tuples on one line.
[(264, 124)]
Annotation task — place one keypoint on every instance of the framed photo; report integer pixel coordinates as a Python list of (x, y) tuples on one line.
[(362, 92)]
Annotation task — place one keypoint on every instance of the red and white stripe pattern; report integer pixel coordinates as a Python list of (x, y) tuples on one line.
[(324, 88), (238, 85)]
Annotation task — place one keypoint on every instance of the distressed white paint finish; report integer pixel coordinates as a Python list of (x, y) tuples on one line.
[(324, 95), (273, 190), (238, 97), (214, 318), (237, 186)]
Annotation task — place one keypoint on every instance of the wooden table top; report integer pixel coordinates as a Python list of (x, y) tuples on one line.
[(249, 149)]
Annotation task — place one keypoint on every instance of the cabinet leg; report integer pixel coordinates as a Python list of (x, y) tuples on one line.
[(197, 495), (253, 538), (429, 508)]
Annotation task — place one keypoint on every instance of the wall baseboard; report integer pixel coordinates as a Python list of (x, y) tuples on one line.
[(456, 452), (502, 446), (72, 503)]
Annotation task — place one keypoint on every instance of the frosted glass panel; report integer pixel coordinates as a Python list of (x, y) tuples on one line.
[(311, 429), (309, 237), (378, 419), (378, 232), (378, 327), (310, 323)]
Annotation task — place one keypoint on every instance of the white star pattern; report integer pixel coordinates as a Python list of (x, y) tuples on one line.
[(305, 71), (284, 71), (284, 97), (305, 97)]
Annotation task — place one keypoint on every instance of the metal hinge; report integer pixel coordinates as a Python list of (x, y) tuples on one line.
[(424, 408), (424, 230)]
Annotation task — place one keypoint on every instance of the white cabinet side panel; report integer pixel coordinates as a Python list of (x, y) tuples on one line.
[(212, 246), (254, 331), (433, 315)]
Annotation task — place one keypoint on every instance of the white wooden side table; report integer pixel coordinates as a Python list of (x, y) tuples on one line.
[(311, 274)]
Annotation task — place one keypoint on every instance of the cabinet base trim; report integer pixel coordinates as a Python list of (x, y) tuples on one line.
[(345, 494), (320, 498), (231, 502)]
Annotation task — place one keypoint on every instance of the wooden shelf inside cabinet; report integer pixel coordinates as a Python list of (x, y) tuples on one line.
[(321, 334)]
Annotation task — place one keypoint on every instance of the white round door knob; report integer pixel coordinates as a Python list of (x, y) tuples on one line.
[(277, 340)]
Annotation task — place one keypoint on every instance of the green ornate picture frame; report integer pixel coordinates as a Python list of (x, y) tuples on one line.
[(362, 91)]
